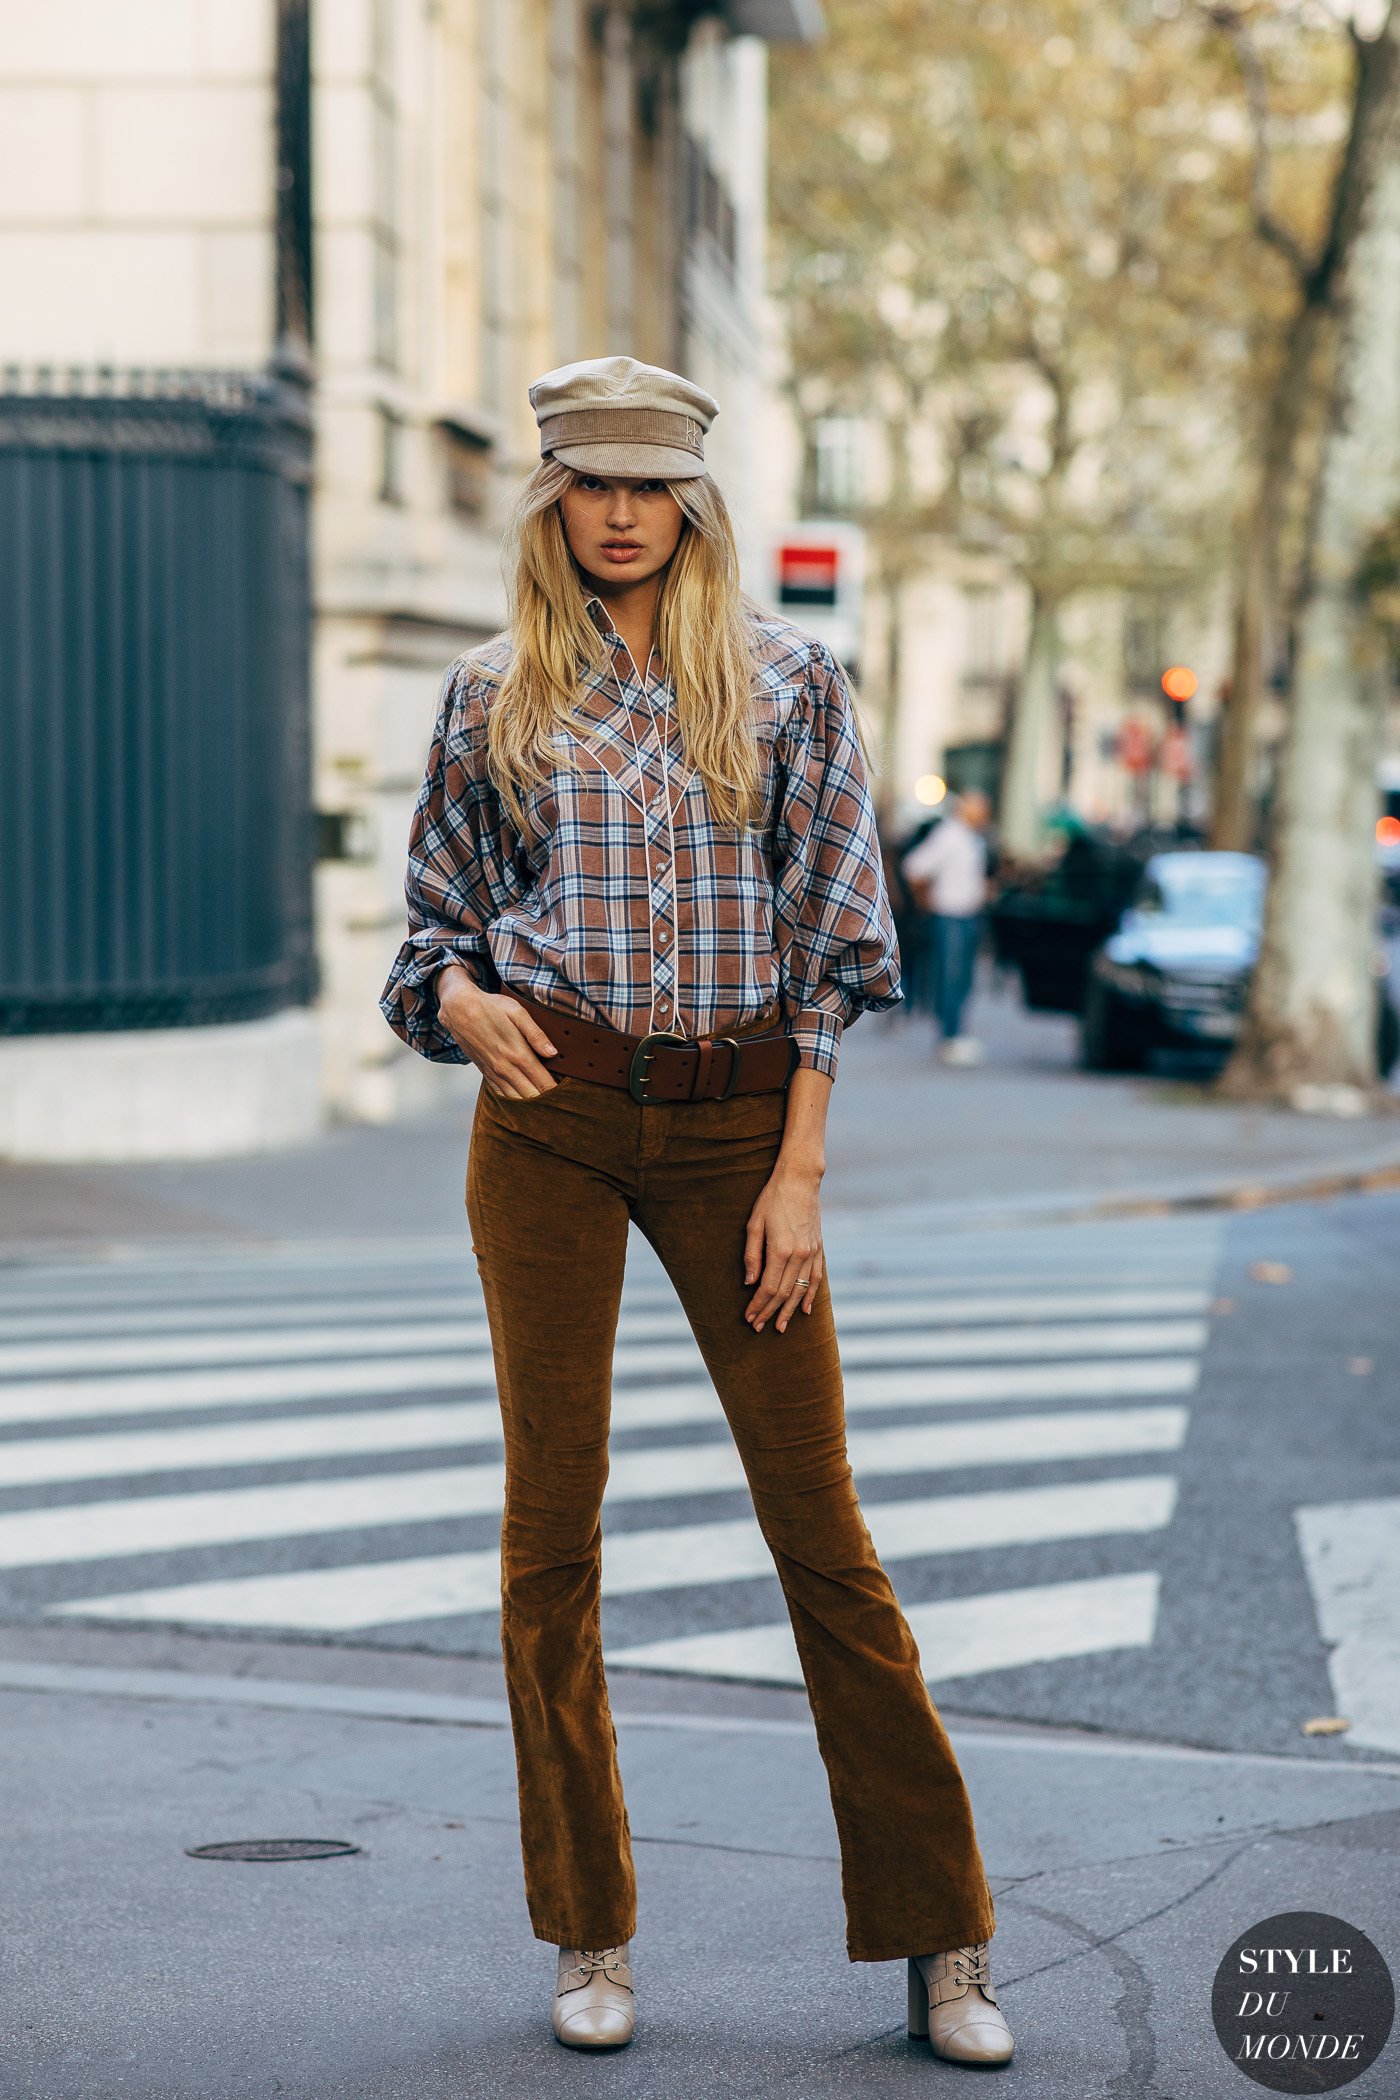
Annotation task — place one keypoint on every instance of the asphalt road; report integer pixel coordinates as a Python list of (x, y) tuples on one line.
[(1137, 1481)]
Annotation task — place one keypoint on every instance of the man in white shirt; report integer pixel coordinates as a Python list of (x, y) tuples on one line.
[(947, 873)]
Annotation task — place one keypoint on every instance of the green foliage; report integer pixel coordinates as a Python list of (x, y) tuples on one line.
[(1020, 239)]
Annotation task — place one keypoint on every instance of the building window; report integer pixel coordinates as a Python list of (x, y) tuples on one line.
[(467, 473), (391, 489), (294, 315), (1144, 644), (709, 208), (984, 637), (837, 460)]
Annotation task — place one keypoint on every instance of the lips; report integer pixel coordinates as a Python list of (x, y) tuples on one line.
[(622, 550)]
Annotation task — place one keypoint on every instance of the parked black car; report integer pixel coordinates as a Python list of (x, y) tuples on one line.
[(1049, 924), (1175, 975)]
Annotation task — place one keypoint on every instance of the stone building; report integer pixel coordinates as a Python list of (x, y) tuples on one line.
[(296, 261)]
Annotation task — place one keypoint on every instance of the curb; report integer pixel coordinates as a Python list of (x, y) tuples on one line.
[(986, 1215), (1318, 1186)]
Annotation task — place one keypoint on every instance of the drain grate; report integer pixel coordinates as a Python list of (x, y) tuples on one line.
[(268, 1850)]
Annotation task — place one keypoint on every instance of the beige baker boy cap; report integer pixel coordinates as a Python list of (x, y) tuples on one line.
[(612, 415)]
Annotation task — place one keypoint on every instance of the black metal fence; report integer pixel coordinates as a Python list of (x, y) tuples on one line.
[(156, 835)]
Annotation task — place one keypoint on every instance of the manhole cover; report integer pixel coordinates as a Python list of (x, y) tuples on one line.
[(271, 1849)]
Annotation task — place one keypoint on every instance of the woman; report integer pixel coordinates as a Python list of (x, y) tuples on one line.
[(645, 894)]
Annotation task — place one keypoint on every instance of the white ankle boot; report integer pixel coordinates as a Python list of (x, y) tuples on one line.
[(952, 2003), (594, 2007)]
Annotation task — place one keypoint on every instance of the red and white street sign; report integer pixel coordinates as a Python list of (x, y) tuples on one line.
[(808, 574)]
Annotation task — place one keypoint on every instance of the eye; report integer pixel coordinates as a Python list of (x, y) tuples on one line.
[(650, 488), (590, 482)]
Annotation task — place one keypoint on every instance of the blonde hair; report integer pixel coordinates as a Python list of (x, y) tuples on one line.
[(704, 639)]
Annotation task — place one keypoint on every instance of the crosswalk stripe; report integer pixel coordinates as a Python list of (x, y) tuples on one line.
[(226, 1516), (857, 1246), (447, 1585), (53, 1399), (43, 1460), (38, 1461), (77, 1341), (1351, 1551), (962, 1637), (634, 1406)]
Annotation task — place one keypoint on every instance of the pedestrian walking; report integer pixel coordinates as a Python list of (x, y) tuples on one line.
[(644, 897), (948, 873), (913, 932)]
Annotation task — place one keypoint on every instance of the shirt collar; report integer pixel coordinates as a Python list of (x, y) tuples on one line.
[(602, 619), (598, 613)]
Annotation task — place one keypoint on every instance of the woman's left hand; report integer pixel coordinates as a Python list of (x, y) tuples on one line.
[(783, 1247)]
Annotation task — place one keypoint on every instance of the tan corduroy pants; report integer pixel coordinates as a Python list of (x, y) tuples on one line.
[(552, 1184)]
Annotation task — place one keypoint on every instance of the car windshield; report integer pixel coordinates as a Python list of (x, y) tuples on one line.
[(1203, 892)]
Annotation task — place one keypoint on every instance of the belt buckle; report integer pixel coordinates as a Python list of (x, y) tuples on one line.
[(732, 1081), (642, 1058)]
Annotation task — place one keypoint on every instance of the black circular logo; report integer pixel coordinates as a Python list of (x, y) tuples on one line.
[(1303, 2003)]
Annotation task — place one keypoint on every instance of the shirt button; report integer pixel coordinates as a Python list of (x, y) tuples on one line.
[(661, 934)]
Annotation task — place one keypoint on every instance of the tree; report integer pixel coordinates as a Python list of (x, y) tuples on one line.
[(1286, 62), (1010, 239), (1311, 1020)]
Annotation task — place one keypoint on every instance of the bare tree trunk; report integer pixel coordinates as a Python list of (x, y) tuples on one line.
[(1260, 613), (1032, 722), (1312, 1012), (887, 782), (1232, 817)]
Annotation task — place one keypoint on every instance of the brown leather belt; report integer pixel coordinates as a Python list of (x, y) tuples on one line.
[(666, 1065)]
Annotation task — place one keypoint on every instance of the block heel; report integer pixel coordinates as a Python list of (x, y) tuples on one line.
[(918, 2003)]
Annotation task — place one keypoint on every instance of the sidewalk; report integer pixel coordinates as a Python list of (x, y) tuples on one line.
[(409, 1972), (1026, 1135)]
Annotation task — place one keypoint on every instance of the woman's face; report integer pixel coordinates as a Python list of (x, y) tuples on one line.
[(620, 531)]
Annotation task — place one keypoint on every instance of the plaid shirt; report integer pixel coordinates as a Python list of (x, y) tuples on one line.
[(604, 908)]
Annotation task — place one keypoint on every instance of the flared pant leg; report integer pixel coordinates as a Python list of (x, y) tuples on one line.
[(549, 1232), (912, 1874)]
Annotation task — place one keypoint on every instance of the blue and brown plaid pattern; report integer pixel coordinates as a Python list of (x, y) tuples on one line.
[(586, 909)]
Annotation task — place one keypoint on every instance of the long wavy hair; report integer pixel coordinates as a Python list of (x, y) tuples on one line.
[(704, 638)]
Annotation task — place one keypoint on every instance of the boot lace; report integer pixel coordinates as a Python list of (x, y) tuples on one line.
[(972, 1967), (608, 1962)]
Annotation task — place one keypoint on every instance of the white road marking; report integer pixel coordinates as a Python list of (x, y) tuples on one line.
[(678, 1556), (1351, 1551), (655, 1342), (226, 1516), (213, 1334), (36, 1461), (57, 1398), (47, 1460), (999, 1630), (634, 1406)]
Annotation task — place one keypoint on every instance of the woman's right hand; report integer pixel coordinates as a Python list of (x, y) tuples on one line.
[(497, 1034)]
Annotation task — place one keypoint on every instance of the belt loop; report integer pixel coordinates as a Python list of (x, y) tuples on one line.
[(700, 1078)]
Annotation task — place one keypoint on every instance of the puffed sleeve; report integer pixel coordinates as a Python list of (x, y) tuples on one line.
[(461, 874), (832, 910)]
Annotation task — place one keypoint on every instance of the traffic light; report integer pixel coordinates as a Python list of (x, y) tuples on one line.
[(1180, 684)]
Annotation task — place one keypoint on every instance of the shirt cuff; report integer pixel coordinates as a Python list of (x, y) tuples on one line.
[(409, 1002), (818, 1040)]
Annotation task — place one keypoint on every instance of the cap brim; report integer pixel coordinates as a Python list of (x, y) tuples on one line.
[(638, 462)]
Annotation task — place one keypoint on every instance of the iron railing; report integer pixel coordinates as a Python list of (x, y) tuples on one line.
[(155, 808)]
